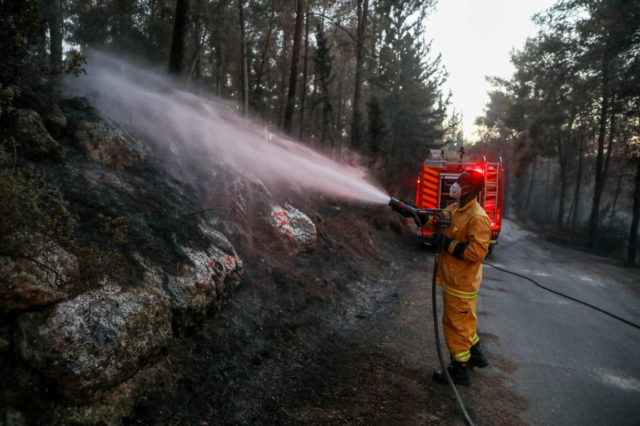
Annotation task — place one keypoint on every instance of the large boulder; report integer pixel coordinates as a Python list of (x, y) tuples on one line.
[(100, 138), (32, 138), (107, 143), (295, 231), (201, 279), (96, 340), (52, 117), (51, 114), (37, 280)]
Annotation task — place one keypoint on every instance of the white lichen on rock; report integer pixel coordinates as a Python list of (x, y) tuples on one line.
[(294, 229), (96, 340)]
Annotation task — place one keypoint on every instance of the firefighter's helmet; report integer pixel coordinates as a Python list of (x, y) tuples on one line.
[(472, 178)]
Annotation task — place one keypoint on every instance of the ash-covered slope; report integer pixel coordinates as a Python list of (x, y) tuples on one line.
[(87, 321)]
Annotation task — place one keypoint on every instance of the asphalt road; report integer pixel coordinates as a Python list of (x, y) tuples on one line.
[(575, 366)]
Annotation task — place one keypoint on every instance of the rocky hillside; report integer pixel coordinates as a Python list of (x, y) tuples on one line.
[(134, 260)]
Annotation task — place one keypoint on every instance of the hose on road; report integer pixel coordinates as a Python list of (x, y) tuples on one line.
[(614, 316), (434, 309), (459, 401)]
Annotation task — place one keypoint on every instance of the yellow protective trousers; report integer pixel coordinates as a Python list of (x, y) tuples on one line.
[(459, 322)]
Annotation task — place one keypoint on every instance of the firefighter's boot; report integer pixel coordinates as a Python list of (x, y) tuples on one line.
[(477, 358), (458, 371)]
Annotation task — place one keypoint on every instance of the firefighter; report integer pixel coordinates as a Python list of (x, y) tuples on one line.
[(464, 245)]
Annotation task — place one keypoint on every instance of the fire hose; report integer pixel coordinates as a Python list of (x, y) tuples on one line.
[(589, 305), (420, 216), (467, 418), (441, 220)]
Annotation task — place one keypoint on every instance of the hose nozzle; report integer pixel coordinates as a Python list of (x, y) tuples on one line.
[(420, 215), (405, 209)]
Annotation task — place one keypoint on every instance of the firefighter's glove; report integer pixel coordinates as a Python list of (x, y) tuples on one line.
[(442, 241), (452, 246)]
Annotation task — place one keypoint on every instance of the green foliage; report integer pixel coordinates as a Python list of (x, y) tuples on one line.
[(398, 67), (131, 26), (21, 39), (30, 205), (409, 83), (572, 108), (75, 63), (7, 96)]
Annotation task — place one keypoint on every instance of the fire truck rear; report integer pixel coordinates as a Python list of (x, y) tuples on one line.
[(437, 176)]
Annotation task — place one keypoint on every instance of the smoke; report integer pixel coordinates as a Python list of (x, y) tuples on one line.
[(181, 123)]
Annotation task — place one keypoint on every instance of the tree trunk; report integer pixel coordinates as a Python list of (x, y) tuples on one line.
[(244, 72), (356, 120), (614, 203), (339, 110), (323, 65), (282, 87), (563, 186), (195, 69), (303, 94), (373, 40), (612, 133), (54, 18), (549, 185), (176, 57), (258, 89), (633, 233), (563, 159), (530, 189), (314, 104), (293, 76), (599, 175), (576, 194), (327, 115), (219, 70)]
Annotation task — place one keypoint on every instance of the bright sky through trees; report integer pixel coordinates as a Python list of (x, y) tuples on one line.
[(476, 38)]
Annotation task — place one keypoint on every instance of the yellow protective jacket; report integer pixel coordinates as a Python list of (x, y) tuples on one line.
[(460, 267)]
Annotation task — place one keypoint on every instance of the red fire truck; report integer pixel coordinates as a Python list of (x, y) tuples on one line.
[(437, 176)]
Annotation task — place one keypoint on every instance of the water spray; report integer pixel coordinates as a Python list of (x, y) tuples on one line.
[(186, 127)]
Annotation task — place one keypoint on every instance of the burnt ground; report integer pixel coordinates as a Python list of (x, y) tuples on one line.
[(342, 335)]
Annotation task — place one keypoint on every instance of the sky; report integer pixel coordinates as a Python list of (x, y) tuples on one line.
[(475, 39)]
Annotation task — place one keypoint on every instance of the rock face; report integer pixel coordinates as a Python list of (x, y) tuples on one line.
[(40, 281), (201, 281), (295, 230), (32, 138), (96, 340), (87, 353), (52, 116), (105, 142), (97, 136)]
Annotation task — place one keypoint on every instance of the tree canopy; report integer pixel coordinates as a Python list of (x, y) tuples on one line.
[(573, 100)]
